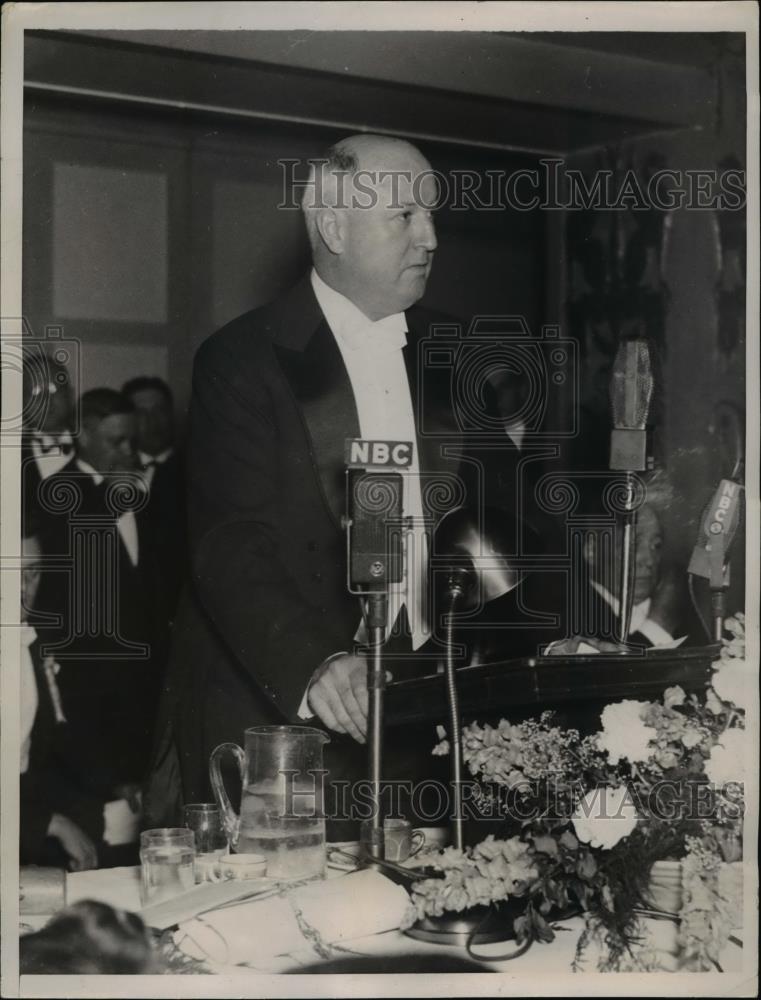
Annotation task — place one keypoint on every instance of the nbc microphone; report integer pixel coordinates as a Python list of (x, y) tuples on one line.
[(631, 391), (717, 531), (374, 539), (374, 491)]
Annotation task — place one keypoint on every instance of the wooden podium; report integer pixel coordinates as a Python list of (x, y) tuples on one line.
[(574, 685)]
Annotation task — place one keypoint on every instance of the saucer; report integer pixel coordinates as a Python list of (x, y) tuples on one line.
[(343, 855)]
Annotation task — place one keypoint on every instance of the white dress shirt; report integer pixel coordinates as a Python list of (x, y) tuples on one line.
[(49, 456), (372, 354), (641, 622), (149, 462), (126, 522)]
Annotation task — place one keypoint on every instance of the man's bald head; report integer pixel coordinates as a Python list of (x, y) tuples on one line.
[(368, 215), (380, 152), (333, 178)]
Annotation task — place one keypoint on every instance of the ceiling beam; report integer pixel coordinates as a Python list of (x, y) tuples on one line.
[(481, 64)]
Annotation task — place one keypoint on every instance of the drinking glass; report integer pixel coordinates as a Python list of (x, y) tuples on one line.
[(205, 820), (166, 857)]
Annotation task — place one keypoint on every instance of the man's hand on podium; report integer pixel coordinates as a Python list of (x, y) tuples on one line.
[(338, 695)]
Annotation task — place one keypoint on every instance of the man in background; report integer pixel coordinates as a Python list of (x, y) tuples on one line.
[(47, 441), (163, 470), (50, 808), (107, 629), (660, 609)]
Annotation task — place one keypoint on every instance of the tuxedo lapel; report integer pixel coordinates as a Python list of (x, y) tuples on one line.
[(321, 387), (314, 370), (313, 367)]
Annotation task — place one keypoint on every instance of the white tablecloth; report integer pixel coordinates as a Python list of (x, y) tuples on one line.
[(120, 887)]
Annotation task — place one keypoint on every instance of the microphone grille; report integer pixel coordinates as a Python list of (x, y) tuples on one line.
[(631, 386)]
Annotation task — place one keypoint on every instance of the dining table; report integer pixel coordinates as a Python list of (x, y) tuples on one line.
[(365, 937)]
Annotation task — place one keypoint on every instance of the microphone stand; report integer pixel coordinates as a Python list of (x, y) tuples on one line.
[(456, 590), (482, 545), (626, 578), (631, 390), (719, 582), (376, 618)]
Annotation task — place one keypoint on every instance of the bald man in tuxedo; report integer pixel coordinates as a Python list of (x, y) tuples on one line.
[(268, 632)]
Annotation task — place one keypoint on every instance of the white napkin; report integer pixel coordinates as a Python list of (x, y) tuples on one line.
[(353, 906), (119, 887), (121, 825)]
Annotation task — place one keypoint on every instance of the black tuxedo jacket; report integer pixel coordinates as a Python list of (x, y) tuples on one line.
[(49, 784), (111, 636), (89, 576), (36, 805), (30, 476), (272, 406), (167, 513), (31, 479), (599, 620)]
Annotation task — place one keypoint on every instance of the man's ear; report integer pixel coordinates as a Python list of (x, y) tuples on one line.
[(330, 225)]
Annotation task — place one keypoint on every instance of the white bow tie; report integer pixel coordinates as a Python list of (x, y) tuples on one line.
[(382, 337), (48, 442)]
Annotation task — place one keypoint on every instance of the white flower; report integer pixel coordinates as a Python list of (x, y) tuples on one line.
[(691, 738), (726, 763), (713, 704), (624, 733), (731, 682), (736, 624), (604, 816), (674, 696)]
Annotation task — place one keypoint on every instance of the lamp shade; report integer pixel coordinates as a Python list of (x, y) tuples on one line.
[(483, 553)]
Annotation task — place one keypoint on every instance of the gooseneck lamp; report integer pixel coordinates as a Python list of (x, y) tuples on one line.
[(473, 563), (475, 560)]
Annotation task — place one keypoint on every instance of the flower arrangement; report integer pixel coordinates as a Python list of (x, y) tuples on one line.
[(582, 820)]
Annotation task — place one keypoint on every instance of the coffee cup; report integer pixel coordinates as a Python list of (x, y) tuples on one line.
[(401, 841), (242, 866)]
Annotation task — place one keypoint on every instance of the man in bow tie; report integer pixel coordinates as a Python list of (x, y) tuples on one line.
[(269, 633), (101, 587), (47, 802), (47, 442), (164, 474)]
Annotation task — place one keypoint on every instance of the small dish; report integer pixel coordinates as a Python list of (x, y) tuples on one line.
[(242, 866), (343, 855)]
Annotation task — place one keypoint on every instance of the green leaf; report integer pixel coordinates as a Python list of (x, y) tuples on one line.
[(546, 844), (521, 926), (542, 929), (586, 866), (569, 841), (582, 892)]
